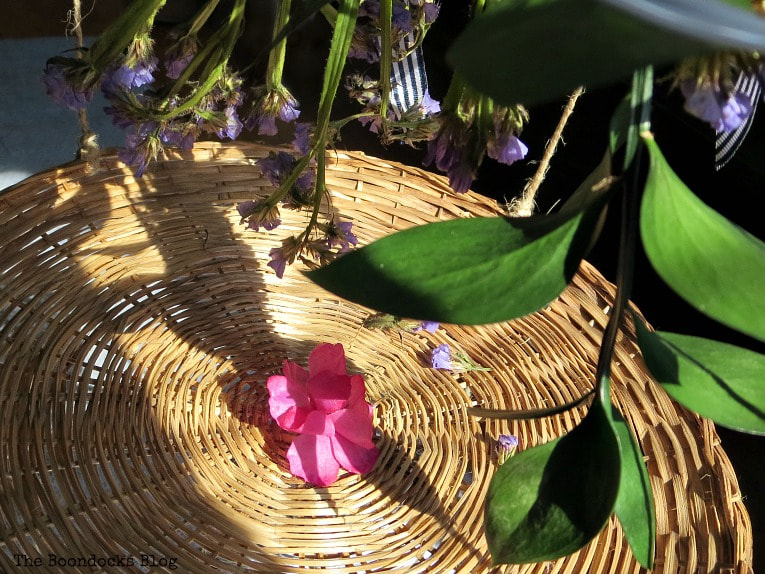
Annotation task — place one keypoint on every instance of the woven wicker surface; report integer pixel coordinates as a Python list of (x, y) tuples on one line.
[(138, 324)]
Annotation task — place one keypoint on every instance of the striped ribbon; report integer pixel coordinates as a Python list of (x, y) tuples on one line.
[(408, 79), (727, 143)]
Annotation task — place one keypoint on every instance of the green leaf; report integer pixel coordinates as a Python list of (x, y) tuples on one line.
[(590, 42), (719, 381), (467, 271), (550, 500), (634, 504), (713, 264)]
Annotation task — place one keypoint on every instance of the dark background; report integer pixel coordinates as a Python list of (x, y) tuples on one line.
[(736, 190)]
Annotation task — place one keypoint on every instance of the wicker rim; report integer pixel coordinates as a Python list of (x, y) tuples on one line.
[(138, 324)]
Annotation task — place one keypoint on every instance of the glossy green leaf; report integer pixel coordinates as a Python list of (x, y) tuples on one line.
[(719, 381), (467, 271), (550, 500), (590, 42), (634, 504), (713, 264)]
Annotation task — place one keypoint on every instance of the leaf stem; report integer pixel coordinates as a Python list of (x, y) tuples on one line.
[(514, 415), (641, 85)]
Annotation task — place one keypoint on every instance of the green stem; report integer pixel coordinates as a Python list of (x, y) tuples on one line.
[(386, 54), (641, 86), (201, 17), (215, 68), (278, 52), (113, 41)]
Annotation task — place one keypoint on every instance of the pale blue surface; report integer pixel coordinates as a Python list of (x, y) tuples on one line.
[(35, 132)]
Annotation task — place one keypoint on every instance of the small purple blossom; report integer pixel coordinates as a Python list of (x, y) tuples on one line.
[(708, 103), (233, 126), (431, 12), (267, 106), (429, 326), (506, 445), (278, 262), (506, 148), (178, 57), (441, 357), (507, 442), (177, 135), (428, 105), (61, 90), (339, 234), (302, 137), (141, 146), (124, 78), (276, 166)]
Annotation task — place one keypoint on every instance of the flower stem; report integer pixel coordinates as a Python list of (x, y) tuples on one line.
[(110, 45), (279, 50), (386, 31)]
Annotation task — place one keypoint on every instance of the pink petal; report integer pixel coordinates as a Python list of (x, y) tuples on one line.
[(288, 402), (329, 392), (358, 390), (318, 422), (353, 457), (311, 459), (327, 357), (354, 424), (295, 372)]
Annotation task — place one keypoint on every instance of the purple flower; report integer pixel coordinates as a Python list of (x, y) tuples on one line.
[(177, 135), (708, 103), (339, 233), (178, 57), (232, 127), (267, 106), (259, 214), (289, 112), (278, 262), (428, 105), (441, 357), (507, 442), (429, 326), (431, 12), (141, 146), (276, 166), (302, 137), (59, 87), (124, 78), (506, 148)]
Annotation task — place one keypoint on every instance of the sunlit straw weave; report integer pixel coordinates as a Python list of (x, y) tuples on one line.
[(139, 322)]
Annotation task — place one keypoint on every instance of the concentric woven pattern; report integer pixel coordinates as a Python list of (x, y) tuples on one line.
[(139, 323)]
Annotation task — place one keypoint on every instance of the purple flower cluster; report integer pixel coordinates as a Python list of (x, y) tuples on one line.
[(723, 111), (459, 144), (406, 18), (267, 106)]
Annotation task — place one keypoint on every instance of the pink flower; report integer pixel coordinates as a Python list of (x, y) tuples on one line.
[(326, 406)]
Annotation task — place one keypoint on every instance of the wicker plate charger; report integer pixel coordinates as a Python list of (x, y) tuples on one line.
[(138, 324)]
